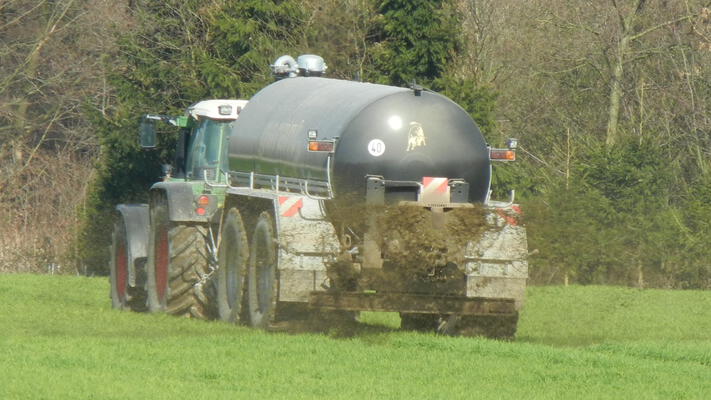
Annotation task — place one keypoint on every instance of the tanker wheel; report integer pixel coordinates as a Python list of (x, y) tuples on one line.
[(232, 258), (490, 326), (418, 322), (177, 261), (123, 296), (262, 274)]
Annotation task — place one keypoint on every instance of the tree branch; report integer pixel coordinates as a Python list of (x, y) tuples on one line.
[(662, 25), (20, 17)]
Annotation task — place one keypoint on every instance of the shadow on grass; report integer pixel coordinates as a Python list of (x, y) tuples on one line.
[(342, 327), (563, 341)]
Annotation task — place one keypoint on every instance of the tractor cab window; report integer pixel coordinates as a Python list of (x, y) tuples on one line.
[(208, 149)]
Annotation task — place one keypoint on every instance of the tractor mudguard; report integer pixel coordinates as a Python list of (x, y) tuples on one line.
[(181, 202), (136, 221)]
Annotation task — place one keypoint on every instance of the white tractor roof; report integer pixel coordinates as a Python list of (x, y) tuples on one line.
[(217, 109)]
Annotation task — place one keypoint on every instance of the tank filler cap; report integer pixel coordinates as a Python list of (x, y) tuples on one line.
[(311, 65), (285, 67)]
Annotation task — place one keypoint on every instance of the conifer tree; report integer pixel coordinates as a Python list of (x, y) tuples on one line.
[(180, 52), (416, 40)]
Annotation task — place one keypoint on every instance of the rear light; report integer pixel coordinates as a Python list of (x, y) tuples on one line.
[(502, 155), (224, 109), (322, 145), (202, 203)]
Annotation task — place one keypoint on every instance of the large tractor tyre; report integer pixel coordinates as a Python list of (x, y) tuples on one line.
[(262, 274), (418, 322), (177, 262), (123, 296), (233, 255), (490, 326)]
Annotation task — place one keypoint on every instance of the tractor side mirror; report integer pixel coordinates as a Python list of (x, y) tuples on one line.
[(147, 133)]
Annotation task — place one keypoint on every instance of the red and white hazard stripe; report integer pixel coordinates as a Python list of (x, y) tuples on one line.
[(290, 205), (435, 190), (510, 215)]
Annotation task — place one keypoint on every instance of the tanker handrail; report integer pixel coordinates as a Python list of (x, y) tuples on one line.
[(213, 185), (277, 183), (503, 204), (305, 191), (328, 183), (328, 175)]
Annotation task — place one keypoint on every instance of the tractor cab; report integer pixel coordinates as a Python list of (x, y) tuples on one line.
[(201, 150)]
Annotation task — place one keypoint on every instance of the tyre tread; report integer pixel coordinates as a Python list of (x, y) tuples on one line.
[(187, 263)]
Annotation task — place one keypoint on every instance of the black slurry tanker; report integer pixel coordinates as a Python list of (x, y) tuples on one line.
[(342, 196)]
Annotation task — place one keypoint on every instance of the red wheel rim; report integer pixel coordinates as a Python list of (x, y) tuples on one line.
[(162, 264), (121, 272)]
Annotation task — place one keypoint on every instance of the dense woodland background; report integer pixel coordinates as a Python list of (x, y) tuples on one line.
[(611, 101)]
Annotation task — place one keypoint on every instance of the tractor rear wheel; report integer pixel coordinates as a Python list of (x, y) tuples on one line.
[(232, 258), (262, 274), (177, 262), (123, 295)]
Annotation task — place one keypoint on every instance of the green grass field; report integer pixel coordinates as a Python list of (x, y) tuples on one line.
[(59, 339)]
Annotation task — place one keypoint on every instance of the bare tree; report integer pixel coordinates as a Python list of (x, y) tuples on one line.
[(340, 32), (51, 75), (631, 29)]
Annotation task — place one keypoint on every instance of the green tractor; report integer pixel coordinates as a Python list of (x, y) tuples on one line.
[(164, 253)]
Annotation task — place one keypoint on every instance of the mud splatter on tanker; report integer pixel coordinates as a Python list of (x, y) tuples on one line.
[(417, 244)]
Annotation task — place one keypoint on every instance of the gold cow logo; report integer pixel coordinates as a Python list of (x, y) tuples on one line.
[(416, 136)]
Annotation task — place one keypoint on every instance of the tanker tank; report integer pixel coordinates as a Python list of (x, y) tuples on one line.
[(397, 133)]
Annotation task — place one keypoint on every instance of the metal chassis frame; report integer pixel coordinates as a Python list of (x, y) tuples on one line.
[(412, 303)]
